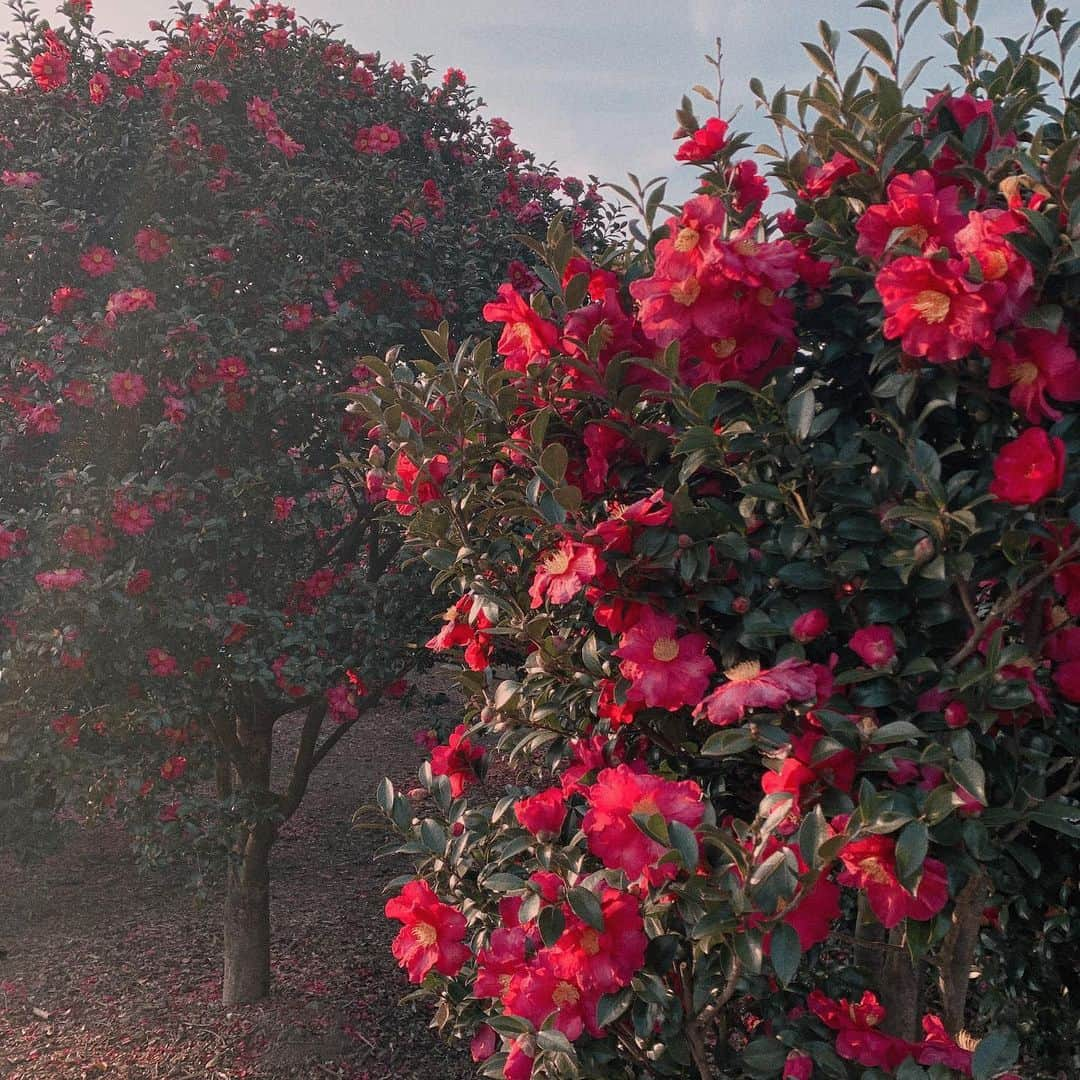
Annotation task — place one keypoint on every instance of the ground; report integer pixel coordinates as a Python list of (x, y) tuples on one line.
[(109, 972)]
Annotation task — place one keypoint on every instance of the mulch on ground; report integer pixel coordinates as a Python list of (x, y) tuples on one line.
[(106, 971)]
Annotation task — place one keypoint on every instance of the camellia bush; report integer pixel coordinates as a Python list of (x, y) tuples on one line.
[(201, 236), (762, 541)]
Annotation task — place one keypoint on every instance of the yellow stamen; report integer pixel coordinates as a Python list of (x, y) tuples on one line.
[(746, 246), (723, 348), (590, 942), (687, 240), (425, 934), (1024, 373), (932, 305), (686, 292), (557, 563), (565, 994), (744, 672), (665, 649)]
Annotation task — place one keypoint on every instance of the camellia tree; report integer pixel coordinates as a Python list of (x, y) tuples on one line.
[(763, 547), (201, 235)]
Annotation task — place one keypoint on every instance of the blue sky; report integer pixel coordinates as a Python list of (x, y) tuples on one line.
[(594, 86)]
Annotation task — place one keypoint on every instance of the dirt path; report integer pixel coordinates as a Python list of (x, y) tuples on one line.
[(106, 972)]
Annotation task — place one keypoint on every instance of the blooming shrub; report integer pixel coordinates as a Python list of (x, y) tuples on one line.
[(195, 255), (769, 531)]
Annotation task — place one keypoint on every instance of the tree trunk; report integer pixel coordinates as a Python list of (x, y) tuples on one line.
[(247, 883), (247, 922), (901, 990)]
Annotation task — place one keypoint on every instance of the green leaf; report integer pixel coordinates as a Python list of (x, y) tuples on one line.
[(612, 1006), (969, 774), (764, 1057), (385, 795), (684, 841), (911, 847), (553, 461), (725, 743), (895, 732), (785, 952), (585, 905), (996, 1052), (800, 413), (875, 42)]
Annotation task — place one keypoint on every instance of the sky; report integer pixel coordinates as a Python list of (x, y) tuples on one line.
[(592, 86)]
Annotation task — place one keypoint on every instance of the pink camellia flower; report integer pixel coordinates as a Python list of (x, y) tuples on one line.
[(542, 814), (162, 663), (283, 507), (128, 301), (60, 580), (66, 296), (614, 837), (666, 671), (705, 143), (127, 388), (1029, 468), (564, 572), (261, 114), (231, 368), (97, 261), (810, 626), (280, 140), (174, 768), (455, 760), (874, 645), (870, 865), (432, 934), (748, 687)]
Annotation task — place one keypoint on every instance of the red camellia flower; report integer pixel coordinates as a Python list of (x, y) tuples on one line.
[(1034, 365), (748, 687), (526, 338), (132, 519), (127, 388), (50, 70), (174, 768), (1029, 468), (606, 960), (455, 760), (818, 180), (432, 934), (99, 86), (858, 1039), (97, 261), (60, 580), (542, 814), (870, 865), (874, 645), (162, 663), (798, 1066), (613, 835), (809, 626), (918, 214), (151, 245), (295, 318), (464, 625), (666, 671), (549, 987), (123, 61), (138, 583), (705, 143), (934, 311), (416, 487), (564, 572)]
